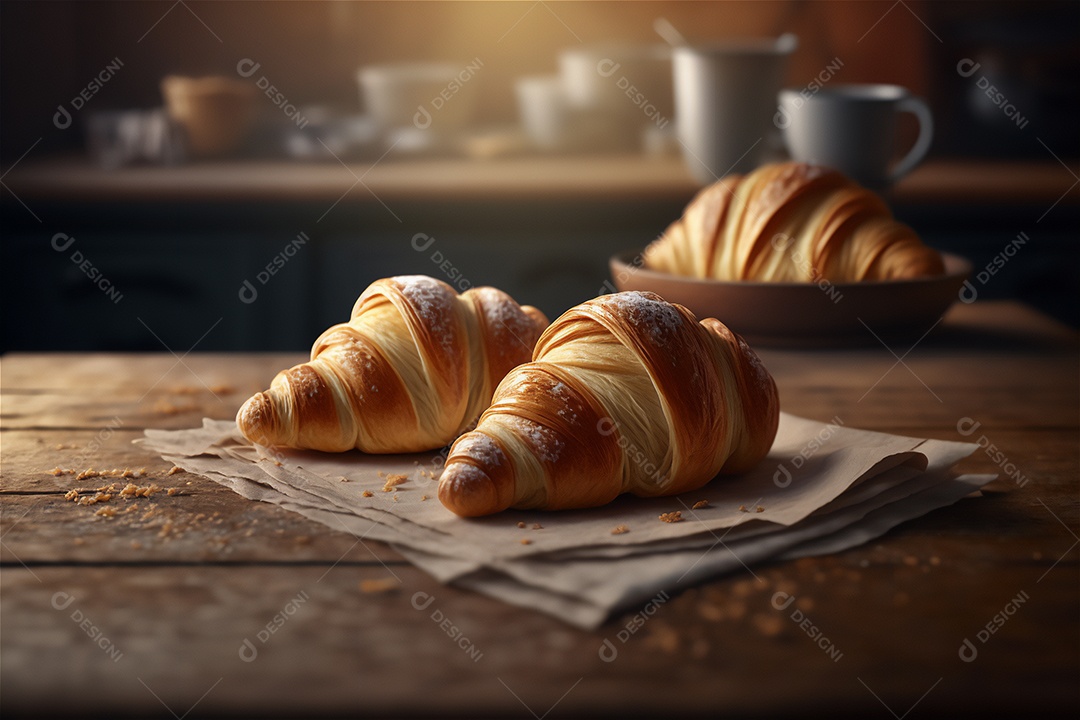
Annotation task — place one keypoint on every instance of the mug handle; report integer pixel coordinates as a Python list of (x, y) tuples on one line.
[(918, 108)]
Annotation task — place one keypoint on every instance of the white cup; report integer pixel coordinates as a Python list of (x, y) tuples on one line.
[(725, 97), (852, 128), (625, 87), (440, 95), (545, 111)]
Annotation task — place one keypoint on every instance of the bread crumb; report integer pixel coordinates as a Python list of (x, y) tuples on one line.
[(173, 491), (87, 473), (129, 490), (277, 463), (58, 471), (521, 523), (72, 495), (525, 541), (760, 509), (381, 585), (382, 473), (742, 508), (423, 498), (343, 479), (106, 512), (174, 469), (619, 530), (671, 517), (699, 505), (392, 481), (395, 497), (367, 493), (537, 526)]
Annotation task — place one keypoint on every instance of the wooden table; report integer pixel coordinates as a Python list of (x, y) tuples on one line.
[(147, 612)]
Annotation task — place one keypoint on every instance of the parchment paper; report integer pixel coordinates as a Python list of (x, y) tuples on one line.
[(823, 488)]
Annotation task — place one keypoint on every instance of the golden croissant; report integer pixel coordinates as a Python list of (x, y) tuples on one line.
[(791, 222), (626, 393), (412, 369)]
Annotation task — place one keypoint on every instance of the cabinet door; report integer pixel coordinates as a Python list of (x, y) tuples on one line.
[(116, 291)]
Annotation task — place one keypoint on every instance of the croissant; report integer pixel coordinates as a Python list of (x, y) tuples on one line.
[(791, 222), (626, 393), (412, 369)]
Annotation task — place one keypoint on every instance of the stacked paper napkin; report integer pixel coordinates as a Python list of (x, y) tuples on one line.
[(823, 488)]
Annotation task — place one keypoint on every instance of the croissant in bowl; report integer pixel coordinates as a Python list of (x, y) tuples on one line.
[(791, 222)]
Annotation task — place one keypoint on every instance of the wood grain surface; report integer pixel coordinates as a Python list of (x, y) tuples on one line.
[(205, 603)]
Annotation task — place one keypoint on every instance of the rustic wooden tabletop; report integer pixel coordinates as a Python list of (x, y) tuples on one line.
[(194, 601)]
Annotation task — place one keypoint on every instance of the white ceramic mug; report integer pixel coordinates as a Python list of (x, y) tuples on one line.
[(725, 96), (852, 128)]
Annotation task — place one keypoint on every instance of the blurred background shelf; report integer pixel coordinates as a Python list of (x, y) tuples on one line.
[(179, 243), (600, 178)]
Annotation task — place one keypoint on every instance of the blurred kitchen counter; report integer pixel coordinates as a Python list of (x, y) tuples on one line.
[(597, 177), (180, 243)]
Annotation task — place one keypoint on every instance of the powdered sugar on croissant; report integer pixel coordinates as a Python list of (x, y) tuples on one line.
[(791, 222), (412, 369), (626, 393)]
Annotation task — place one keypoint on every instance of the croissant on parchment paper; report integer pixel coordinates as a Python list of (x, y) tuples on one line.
[(625, 393), (791, 222), (412, 369)]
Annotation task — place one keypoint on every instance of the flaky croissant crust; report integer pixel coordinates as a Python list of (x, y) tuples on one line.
[(412, 369), (791, 222), (626, 393)]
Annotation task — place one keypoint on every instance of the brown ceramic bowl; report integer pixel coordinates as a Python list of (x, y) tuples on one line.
[(788, 314), (217, 111)]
